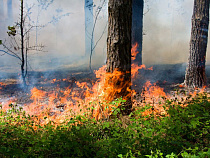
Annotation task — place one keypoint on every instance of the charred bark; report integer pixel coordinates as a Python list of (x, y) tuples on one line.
[(137, 28), (119, 45), (195, 73), (22, 44)]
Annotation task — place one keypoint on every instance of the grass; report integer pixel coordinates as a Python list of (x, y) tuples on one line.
[(181, 132)]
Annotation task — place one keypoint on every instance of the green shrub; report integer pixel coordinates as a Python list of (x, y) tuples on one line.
[(182, 133)]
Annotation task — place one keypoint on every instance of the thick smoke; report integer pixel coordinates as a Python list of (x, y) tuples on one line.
[(167, 26)]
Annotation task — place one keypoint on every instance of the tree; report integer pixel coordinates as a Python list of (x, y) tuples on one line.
[(195, 72), (90, 26), (89, 40), (137, 28), (10, 11), (19, 46), (119, 45)]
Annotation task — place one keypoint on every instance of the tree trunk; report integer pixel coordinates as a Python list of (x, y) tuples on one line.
[(22, 44), (137, 28), (89, 39), (1, 11), (119, 45), (195, 72), (2, 19), (9, 12)]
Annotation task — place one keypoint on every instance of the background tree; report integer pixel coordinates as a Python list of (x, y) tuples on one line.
[(90, 44), (19, 44), (195, 72), (10, 11), (119, 44), (89, 40), (137, 27)]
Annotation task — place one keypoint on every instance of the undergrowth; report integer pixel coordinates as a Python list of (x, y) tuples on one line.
[(181, 132)]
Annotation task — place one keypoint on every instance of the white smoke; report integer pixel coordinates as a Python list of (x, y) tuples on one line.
[(167, 27)]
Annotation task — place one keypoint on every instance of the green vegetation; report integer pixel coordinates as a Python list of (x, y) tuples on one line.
[(183, 132)]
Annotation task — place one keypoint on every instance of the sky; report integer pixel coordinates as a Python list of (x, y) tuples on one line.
[(167, 26)]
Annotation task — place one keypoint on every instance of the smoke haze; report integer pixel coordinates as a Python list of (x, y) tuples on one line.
[(167, 26)]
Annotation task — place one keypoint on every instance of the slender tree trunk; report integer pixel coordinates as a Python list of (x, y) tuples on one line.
[(2, 18), (1, 10), (9, 12), (195, 73), (137, 28), (22, 44), (89, 38), (119, 45)]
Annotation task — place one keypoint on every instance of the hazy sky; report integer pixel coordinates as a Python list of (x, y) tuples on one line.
[(167, 25)]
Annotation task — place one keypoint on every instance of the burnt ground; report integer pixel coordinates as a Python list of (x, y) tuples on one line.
[(166, 76)]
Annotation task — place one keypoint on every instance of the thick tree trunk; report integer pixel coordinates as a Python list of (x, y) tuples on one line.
[(119, 45), (137, 28), (195, 73)]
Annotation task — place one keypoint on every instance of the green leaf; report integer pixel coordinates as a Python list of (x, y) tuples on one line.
[(0, 42), (120, 155)]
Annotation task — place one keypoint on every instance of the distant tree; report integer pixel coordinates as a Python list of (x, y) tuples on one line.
[(119, 45), (19, 46), (89, 38), (10, 11), (137, 28), (90, 26), (55, 16), (195, 73)]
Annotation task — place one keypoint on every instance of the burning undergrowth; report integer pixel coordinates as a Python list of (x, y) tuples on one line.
[(59, 99)]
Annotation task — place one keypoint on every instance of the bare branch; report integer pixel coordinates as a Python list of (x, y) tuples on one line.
[(5, 52), (96, 18)]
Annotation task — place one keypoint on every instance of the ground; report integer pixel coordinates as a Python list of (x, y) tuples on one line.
[(168, 77)]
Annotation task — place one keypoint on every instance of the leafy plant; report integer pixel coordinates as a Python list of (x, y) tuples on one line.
[(181, 132)]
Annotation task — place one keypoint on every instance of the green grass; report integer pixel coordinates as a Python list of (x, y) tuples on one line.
[(184, 132)]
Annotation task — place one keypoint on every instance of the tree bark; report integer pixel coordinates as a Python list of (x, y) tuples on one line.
[(119, 45), (22, 44), (137, 28), (195, 72)]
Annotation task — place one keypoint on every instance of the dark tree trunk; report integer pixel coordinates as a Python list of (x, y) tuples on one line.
[(22, 44), (137, 28), (195, 73), (119, 45)]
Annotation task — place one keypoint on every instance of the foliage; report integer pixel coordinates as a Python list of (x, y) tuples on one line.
[(182, 132)]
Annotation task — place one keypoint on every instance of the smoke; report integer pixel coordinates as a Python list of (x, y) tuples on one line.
[(167, 26)]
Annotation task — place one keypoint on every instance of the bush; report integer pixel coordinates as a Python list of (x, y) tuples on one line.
[(183, 131)]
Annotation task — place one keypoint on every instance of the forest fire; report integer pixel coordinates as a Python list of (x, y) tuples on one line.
[(92, 99), (135, 67)]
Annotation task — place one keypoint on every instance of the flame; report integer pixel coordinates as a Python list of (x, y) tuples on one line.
[(134, 66), (93, 99)]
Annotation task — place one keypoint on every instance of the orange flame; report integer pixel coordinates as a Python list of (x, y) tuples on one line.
[(134, 66), (59, 104)]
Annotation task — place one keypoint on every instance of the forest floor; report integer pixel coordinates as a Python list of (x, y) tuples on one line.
[(168, 77)]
